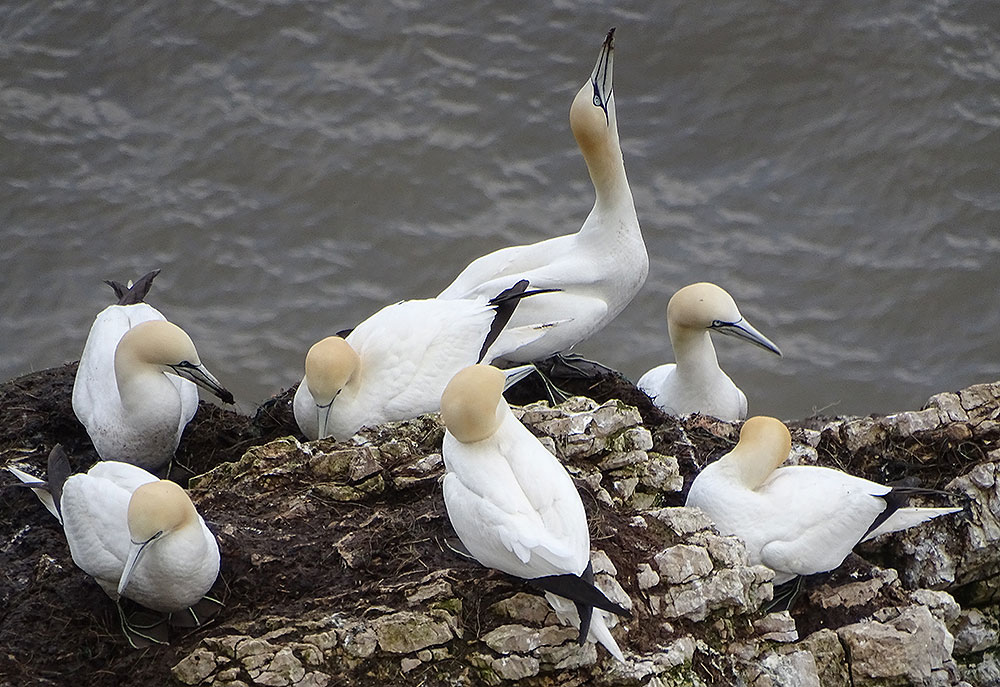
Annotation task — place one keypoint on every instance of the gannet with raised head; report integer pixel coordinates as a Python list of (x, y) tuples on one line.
[(395, 364), (514, 506), (135, 388), (797, 519), (140, 537), (696, 383), (597, 270)]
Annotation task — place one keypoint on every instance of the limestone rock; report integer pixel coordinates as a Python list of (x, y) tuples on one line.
[(829, 657), (405, 632), (914, 646), (683, 563), (338, 572), (195, 667), (976, 631)]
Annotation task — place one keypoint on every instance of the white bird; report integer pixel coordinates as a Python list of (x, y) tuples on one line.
[(514, 506), (395, 364), (597, 270), (799, 519), (135, 387), (696, 383), (140, 537)]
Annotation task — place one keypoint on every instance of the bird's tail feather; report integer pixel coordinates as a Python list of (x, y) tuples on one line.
[(130, 294), (40, 487), (568, 614), (907, 517), (600, 632)]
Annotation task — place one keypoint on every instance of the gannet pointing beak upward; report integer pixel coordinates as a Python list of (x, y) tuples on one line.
[(796, 520), (597, 270), (513, 504), (696, 383)]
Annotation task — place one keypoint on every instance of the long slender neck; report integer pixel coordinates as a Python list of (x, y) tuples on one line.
[(694, 352), (607, 170), (140, 384), (606, 165), (597, 137)]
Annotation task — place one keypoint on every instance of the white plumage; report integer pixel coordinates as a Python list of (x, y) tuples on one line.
[(696, 383), (511, 502), (101, 520), (796, 520), (395, 364), (136, 398), (600, 268)]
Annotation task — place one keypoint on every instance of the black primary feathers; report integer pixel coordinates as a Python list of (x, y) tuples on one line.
[(505, 303), (130, 295), (59, 471), (581, 591)]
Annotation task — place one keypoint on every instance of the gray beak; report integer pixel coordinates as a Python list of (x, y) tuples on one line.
[(601, 78), (323, 419), (746, 331), (135, 551), (203, 378)]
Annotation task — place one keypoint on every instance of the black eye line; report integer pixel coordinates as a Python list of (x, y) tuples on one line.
[(327, 405), (598, 101), (144, 543), (719, 323)]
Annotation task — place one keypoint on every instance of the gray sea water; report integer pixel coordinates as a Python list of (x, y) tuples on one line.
[(293, 166)]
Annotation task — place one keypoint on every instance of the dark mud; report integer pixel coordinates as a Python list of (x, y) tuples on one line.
[(289, 548)]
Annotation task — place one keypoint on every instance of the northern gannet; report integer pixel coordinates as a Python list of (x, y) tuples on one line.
[(140, 537), (135, 387), (597, 270), (799, 519), (513, 504), (696, 383), (395, 364)]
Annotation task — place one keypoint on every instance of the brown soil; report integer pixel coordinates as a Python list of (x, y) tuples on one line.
[(286, 549)]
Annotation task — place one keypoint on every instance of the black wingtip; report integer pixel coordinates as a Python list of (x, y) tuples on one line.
[(59, 471), (135, 294), (579, 591), (899, 497), (505, 303)]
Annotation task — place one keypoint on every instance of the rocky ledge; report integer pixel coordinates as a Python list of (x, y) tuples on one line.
[(338, 566)]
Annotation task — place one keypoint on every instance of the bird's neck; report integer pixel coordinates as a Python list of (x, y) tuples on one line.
[(142, 387), (694, 352), (183, 547), (607, 172), (750, 469)]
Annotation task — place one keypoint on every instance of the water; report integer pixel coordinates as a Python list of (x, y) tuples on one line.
[(293, 166)]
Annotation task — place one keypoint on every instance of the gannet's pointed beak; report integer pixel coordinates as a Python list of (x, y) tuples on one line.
[(513, 375), (203, 378), (135, 551), (601, 78), (746, 331), (323, 418)]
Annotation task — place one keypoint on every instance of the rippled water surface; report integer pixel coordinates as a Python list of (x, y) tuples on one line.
[(294, 166)]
